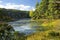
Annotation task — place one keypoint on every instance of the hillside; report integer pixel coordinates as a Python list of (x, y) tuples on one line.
[(12, 14)]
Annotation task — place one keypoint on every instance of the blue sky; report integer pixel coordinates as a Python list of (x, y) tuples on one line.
[(18, 4)]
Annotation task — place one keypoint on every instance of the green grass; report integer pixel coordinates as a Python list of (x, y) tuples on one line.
[(52, 31)]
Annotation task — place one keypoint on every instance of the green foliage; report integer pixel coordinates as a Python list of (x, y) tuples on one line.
[(40, 10), (11, 14), (54, 34), (6, 32), (46, 35), (31, 13), (37, 4), (46, 9), (19, 36)]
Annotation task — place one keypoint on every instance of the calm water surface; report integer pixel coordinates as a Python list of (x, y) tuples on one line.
[(23, 25)]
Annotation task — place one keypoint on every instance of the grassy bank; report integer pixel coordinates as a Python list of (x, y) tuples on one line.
[(52, 31)]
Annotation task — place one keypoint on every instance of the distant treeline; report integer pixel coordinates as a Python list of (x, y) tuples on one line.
[(12, 14)]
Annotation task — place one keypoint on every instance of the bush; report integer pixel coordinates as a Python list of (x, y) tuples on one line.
[(54, 34), (6, 32)]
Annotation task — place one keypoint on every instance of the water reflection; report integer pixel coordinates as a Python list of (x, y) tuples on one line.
[(23, 26)]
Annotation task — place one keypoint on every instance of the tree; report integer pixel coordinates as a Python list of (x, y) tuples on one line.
[(11, 14), (51, 8), (41, 9), (46, 9), (31, 13), (37, 4)]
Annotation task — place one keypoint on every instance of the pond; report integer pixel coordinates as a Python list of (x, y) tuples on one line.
[(23, 26)]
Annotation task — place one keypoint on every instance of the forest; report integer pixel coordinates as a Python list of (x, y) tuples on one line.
[(46, 17), (12, 14)]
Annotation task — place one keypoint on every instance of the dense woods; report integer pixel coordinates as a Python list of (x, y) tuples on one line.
[(12, 14), (47, 15), (47, 9)]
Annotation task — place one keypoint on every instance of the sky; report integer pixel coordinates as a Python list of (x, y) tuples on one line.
[(18, 4)]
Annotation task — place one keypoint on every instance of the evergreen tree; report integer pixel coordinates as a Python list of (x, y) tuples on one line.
[(51, 8), (41, 9), (46, 9), (37, 4)]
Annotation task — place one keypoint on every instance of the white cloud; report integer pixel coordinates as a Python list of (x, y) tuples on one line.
[(15, 6), (33, 9), (24, 7)]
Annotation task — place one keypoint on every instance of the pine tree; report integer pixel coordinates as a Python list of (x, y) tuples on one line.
[(37, 4), (47, 9), (51, 8), (41, 9)]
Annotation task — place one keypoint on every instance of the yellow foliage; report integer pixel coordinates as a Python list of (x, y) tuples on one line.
[(46, 35), (53, 23), (31, 13), (51, 34)]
